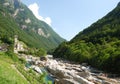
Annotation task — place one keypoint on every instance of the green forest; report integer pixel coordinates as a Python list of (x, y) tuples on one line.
[(97, 45)]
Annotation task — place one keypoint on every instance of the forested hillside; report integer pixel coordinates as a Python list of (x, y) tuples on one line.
[(97, 45), (17, 19)]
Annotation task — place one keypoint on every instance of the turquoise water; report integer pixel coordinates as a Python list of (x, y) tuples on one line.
[(47, 77), (27, 65)]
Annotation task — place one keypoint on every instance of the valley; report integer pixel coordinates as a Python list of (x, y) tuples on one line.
[(91, 57)]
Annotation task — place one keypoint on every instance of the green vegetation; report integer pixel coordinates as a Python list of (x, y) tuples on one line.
[(98, 45), (34, 52), (31, 76), (11, 25), (12, 71), (26, 27), (8, 73)]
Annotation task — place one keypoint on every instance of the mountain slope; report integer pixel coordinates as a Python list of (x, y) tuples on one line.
[(107, 26), (17, 19), (98, 45)]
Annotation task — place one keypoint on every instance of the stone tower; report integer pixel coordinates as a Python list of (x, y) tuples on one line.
[(15, 43)]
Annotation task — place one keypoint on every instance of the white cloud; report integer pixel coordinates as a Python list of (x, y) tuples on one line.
[(35, 9), (48, 20)]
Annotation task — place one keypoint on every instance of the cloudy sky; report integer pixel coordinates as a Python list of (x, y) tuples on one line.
[(69, 17)]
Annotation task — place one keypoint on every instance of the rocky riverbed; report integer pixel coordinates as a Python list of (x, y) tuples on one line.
[(65, 72)]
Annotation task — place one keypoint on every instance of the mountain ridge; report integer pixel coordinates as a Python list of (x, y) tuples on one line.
[(42, 34), (97, 45)]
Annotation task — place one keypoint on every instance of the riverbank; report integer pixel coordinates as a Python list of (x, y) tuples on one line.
[(66, 72)]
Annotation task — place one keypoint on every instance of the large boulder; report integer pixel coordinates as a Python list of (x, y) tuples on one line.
[(82, 80), (66, 81), (84, 74)]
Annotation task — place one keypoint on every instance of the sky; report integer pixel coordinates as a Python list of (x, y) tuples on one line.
[(69, 17)]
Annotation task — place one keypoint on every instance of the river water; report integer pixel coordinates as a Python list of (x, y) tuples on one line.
[(47, 78)]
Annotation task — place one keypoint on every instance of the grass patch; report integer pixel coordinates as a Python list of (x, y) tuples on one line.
[(12, 71), (8, 75)]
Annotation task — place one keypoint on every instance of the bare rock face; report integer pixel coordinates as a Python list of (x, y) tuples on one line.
[(23, 26), (6, 4), (15, 13), (41, 32), (27, 20)]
